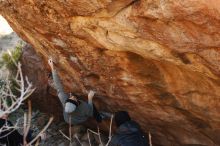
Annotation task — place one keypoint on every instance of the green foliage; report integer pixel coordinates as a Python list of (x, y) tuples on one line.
[(7, 59)]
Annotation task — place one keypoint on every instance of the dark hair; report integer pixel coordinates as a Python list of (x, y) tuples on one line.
[(121, 117), (72, 101)]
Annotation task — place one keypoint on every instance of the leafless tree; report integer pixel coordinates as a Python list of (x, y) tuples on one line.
[(10, 102), (6, 94)]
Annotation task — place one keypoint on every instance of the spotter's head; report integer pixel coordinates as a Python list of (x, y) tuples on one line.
[(121, 117)]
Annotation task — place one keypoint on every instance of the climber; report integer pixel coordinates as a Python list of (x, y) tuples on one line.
[(10, 136), (75, 111), (128, 132)]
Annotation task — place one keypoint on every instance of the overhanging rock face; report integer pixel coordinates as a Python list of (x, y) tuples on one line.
[(158, 59)]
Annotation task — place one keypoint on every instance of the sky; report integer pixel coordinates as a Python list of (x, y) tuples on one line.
[(4, 27), (8, 40)]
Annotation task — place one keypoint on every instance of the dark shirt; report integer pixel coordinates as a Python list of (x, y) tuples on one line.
[(129, 134), (11, 137)]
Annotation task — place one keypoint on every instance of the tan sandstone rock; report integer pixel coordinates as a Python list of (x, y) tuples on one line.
[(158, 59)]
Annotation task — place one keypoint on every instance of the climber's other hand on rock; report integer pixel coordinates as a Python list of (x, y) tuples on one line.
[(91, 94)]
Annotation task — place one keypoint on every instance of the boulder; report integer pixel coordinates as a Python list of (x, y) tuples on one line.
[(157, 59)]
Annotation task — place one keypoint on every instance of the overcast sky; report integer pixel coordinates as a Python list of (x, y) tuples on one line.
[(4, 27)]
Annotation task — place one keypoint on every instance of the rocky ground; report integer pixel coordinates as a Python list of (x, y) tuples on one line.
[(54, 137)]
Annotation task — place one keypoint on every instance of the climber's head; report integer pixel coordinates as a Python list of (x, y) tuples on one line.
[(121, 117), (71, 103)]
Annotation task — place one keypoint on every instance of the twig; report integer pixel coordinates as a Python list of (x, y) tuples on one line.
[(78, 139), (99, 135), (64, 135), (150, 140), (70, 134), (89, 130), (42, 131), (28, 121), (110, 131), (8, 133), (37, 143), (88, 137), (70, 130), (25, 124)]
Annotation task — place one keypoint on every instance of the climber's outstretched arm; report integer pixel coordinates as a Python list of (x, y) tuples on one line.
[(58, 85)]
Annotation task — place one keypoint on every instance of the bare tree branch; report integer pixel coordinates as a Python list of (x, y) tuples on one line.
[(99, 134), (24, 89), (8, 96)]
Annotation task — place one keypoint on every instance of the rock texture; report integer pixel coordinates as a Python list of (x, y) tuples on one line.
[(158, 59)]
